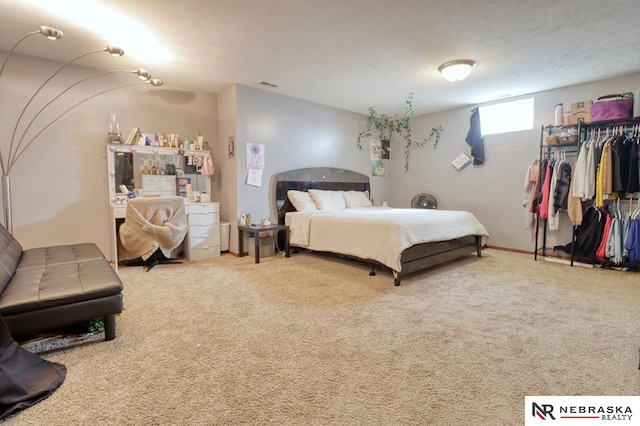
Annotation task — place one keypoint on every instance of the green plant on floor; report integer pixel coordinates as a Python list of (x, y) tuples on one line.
[(386, 126), (95, 325)]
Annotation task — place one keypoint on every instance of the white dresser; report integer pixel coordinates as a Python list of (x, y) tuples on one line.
[(203, 236), (159, 185)]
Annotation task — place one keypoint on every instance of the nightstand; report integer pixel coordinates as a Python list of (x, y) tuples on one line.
[(255, 230)]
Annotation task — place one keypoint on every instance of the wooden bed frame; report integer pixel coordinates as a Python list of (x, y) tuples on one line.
[(413, 259)]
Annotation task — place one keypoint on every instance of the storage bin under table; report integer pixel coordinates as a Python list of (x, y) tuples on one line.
[(267, 247), (255, 230)]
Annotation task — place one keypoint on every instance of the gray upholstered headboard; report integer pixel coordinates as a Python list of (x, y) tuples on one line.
[(328, 178)]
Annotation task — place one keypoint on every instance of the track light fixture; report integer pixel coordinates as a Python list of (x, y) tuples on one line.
[(143, 74), (50, 33)]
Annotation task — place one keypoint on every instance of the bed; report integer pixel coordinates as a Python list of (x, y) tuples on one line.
[(402, 240)]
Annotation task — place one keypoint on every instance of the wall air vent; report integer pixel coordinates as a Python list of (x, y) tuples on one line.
[(269, 84)]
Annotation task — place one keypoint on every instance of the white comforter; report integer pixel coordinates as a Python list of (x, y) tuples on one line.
[(378, 233)]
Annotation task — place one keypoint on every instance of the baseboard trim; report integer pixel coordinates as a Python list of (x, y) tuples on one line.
[(510, 249), (549, 255)]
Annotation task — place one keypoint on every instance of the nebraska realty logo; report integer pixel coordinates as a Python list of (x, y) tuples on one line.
[(581, 410)]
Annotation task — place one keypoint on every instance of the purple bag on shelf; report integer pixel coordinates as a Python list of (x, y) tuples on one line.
[(619, 108)]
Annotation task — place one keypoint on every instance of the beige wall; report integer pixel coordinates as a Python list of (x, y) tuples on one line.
[(296, 134), (493, 192), (59, 187), (226, 166), (300, 134)]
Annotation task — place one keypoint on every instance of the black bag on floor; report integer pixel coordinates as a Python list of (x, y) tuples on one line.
[(588, 235), (25, 378)]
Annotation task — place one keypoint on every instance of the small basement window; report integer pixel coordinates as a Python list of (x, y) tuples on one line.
[(507, 117)]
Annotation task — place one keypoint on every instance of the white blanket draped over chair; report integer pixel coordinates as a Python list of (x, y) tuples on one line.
[(153, 224)]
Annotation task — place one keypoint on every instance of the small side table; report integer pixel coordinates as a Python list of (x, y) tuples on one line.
[(255, 230)]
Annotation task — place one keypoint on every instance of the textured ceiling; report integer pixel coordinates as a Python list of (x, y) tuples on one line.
[(353, 54)]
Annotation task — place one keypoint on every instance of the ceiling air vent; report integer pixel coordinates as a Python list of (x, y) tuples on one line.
[(269, 84)]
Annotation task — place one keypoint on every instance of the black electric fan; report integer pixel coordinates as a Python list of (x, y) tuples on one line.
[(424, 201)]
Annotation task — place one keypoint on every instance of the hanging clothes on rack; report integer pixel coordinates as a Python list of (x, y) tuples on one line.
[(559, 189), (543, 209), (586, 166), (574, 204), (563, 181), (633, 183), (626, 223), (553, 221), (587, 236), (632, 242), (602, 247), (590, 174), (622, 170), (580, 175), (614, 242), (606, 171), (604, 180), (618, 151), (530, 184), (536, 199)]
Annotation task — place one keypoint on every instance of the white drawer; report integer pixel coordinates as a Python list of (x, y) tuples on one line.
[(159, 181), (204, 230), (204, 242), (150, 181), (204, 253), (159, 185), (201, 219), (202, 207)]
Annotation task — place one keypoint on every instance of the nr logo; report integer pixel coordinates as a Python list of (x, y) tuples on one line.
[(542, 411)]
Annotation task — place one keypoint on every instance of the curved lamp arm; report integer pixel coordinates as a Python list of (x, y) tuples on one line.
[(141, 73), (112, 50), (51, 34), (48, 32), (154, 82)]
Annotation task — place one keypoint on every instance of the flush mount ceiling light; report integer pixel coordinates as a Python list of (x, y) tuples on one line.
[(456, 70)]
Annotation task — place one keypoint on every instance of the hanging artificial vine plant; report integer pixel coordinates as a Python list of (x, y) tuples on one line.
[(386, 126)]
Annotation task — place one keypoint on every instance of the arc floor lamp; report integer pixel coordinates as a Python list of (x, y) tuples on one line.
[(18, 145)]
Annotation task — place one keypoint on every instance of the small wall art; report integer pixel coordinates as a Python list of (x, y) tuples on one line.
[(377, 168), (231, 146)]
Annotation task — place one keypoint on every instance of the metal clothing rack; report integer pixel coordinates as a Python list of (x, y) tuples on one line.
[(545, 153)]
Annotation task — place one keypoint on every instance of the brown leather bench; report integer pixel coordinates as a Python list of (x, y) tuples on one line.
[(50, 287)]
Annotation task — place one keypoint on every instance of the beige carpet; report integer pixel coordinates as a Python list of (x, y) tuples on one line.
[(312, 340)]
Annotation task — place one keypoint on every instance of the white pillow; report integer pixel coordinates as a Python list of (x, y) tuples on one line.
[(356, 199), (328, 200), (301, 201)]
